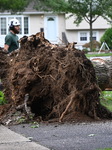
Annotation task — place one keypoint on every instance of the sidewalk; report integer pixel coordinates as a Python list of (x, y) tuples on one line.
[(10, 140)]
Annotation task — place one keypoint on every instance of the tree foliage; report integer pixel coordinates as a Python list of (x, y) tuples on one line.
[(13, 5), (107, 37), (82, 9)]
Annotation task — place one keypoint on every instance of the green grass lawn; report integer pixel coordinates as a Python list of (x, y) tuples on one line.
[(105, 149), (99, 55), (106, 99)]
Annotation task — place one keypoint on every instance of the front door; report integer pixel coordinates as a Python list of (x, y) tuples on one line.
[(51, 28)]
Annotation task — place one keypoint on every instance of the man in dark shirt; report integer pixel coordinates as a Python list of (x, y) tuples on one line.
[(11, 39)]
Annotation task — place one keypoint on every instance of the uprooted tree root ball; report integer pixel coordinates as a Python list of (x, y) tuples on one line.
[(51, 82)]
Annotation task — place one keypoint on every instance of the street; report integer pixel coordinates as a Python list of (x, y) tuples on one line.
[(77, 136)]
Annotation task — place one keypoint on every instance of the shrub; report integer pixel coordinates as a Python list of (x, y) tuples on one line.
[(96, 45), (107, 37), (2, 98)]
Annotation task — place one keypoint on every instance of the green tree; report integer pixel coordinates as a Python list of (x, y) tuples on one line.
[(107, 37), (13, 5), (88, 10)]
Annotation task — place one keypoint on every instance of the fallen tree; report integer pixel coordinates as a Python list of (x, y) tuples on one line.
[(51, 82), (103, 70)]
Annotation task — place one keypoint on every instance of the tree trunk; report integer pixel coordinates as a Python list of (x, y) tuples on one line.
[(103, 69), (91, 30), (91, 40)]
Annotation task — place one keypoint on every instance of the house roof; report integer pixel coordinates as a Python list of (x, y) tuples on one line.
[(31, 10)]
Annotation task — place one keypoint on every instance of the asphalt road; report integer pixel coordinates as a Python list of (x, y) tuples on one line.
[(82, 136)]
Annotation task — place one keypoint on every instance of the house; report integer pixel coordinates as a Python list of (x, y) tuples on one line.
[(56, 27)]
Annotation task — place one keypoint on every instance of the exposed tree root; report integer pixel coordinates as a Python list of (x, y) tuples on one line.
[(58, 80)]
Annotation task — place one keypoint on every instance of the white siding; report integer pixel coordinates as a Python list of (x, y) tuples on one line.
[(61, 27), (100, 23), (36, 22)]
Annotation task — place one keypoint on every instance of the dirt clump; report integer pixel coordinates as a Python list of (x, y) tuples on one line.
[(45, 81)]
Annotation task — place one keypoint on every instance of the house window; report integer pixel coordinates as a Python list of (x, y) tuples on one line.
[(3, 26), (24, 24), (94, 37), (21, 24), (26, 28), (50, 19), (83, 36)]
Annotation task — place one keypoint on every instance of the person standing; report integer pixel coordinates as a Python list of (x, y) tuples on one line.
[(11, 39)]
